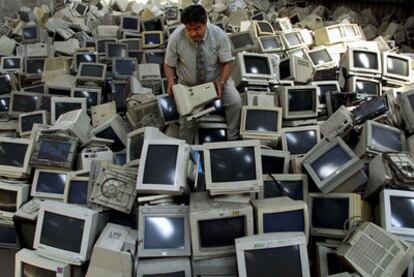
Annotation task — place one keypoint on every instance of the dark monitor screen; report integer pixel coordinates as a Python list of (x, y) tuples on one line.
[(330, 213), (284, 69), (85, 58), (285, 261), (109, 133), (364, 59), (221, 232), (292, 38), (7, 235), (292, 189), (265, 27), (168, 108), (155, 57), (261, 120), (241, 41), (384, 137), (11, 63), (398, 66), (12, 154), (25, 103), (51, 182), (258, 16), (256, 65), (289, 221), (335, 265), (330, 162), (172, 274), (28, 121), (130, 23), (5, 85), (272, 164), (59, 91), (211, 135), (35, 89), (133, 45), (320, 57), (54, 150), (54, 225), (116, 50), (30, 33), (233, 164), (161, 171), (78, 192), (135, 147), (367, 87), (8, 199), (152, 39), (4, 104), (270, 43), (120, 158), (125, 67), (64, 107), (300, 142), (91, 97), (323, 89), (91, 70), (102, 44), (301, 100), (158, 236), (34, 66), (153, 25), (34, 271), (402, 209)]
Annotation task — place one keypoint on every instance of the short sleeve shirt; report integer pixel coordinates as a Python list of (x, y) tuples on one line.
[(181, 54)]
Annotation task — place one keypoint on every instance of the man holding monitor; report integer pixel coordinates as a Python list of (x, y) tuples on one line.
[(199, 52)]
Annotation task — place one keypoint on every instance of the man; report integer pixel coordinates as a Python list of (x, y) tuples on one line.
[(199, 52)]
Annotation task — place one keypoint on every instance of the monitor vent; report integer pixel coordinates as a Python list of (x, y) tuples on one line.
[(360, 260), (370, 248)]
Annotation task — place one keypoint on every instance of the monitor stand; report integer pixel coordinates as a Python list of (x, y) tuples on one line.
[(300, 122)]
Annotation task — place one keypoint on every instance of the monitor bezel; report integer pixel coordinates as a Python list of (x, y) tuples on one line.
[(46, 195), (321, 83), (274, 50), (261, 134), (66, 88), (130, 30), (68, 184), (17, 70), (14, 171), (352, 83), (75, 58), (280, 154), (22, 194), (58, 99), (14, 93), (79, 76), (96, 90), (33, 40), (245, 75), (249, 47), (378, 149), (45, 117), (149, 45), (164, 266), (284, 102), (106, 40), (115, 67), (329, 64), (287, 177), (118, 126), (352, 70), (299, 129), (208, 126), (33, 75), (288, 46), (143, 29), (386, 74)]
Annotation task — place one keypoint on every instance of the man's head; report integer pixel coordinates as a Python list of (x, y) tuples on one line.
[(194, 18)]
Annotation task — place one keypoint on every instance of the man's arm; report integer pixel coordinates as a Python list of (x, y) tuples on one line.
[(225, 71), (170, 75)]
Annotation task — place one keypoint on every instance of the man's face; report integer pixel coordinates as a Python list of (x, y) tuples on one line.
[(195, 31)]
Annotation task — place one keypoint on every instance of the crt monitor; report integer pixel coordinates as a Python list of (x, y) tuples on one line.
[(299, 101), (265, 254), (130, 23), (264, 28), (261, 121), (27, 120), (79, 224), (321, 58), (152, 227), (30, 34), (116, 50), (93, 95), (84, 57), (275, 161), (116, 129), (101, 45), (171, 267), (168, 109), (6, 85), (49, 184), (292, 39), (24, 102), (58, 90), (242, 41), (76, 190), (134, 44), (397, 67), (299, 140), (364, 86), (211, 132), (324, 87), (8, 237), (11, 63), (61, 105), (12, 196), (152, 39), (14, 156), (255, 67), (124, 67), (91, 72), (294, 186), (34, 67), (360, 61), (270, 44), (153, 24)]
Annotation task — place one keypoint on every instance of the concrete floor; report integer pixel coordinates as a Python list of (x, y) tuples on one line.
[(7, 262)]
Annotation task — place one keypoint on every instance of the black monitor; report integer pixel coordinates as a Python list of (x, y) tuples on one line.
[(78, 192), (330, 161), (221, 232), (64, 107), (155, 237), (8, 200), (397, 66), (330, 213), (25, 231), (5, 85), (300, 142), (284, 69), (367, 87), (364, 59), (261, 120), (34, 66), (51, 182), (256, 65), (278, 188), (301, 100), (153, 163), (12, 154), (241, 41), (211, 135), (323, 89), (288, 221), (52, 150), (109, 133), (272, 164), (320, 57), (168, 108), (28, 121), (386, 138), (154, 24), (124, 67)]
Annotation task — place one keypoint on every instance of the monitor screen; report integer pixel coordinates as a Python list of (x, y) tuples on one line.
[(211, 135), (35, 89), (300, 142), (292, 38), (120, 158), (402, 209), (292, 189), (8, 199), (330, 213), (168, 108), (102, 44), (384, 137), (289, 221), (152, 39), (116, 50), (153, 25), (5, 85), (272, 165), (284, 69), (54, 225), (265, 262), (258, 16), (58, 91), (109, 133), (4, 104), (256, 65), (7, 235), (270, 43), (261, 120), (320, 57), (367, 87), (161, 171), (30, 33), (398, 66), (90, 70), (301, 100), (334, 34), (34, 271), (135, 146), (51, 182), (155, 57), (233, 164), (25, 103), (125, 67), (323, 89), (130, 23), (64, 107), (329, 162), (364, 59), (85, 58), (265, 27), (91, 97), (163, 232), (12, 154), (241, 41), (54, 150), (78, 192), (349, 31), (221, 232), (133, 44), (28, 121), (11, 63), (34, 66), (172, 274)]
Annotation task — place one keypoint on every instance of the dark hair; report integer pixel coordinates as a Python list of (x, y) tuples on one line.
[(194, 14)]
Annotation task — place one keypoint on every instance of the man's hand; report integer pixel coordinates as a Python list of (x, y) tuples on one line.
[(170, 89), (219, 87)]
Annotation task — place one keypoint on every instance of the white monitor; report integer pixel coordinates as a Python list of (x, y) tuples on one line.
[(265, 254), (299, 102), (331, 214), (12, 196), (321, 58), (116, 50), (15, 157), (76, 190), (293, 39), (167, 175), (94, 72), (114, 128), (11, 64), (30, 33), (397, 67), (324, 87), (242, 41), (263, 28), (49, 183), (61, 105), (164, 267), (281, 214), (274, 161), (188, 99), (152, 39), (153, 24), (164, 231), (362, 61), (300, 140), (261, 122), (92, 95), (80, 226), (84, 57), (364, 86), (295, 68), (28, 263), (130, 23), (294, 186), (101, 45), (26, 121), (300, 52), (123, 68), (233, 167), (333, 34), (282, 24), (270, 44), (215, 225)]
